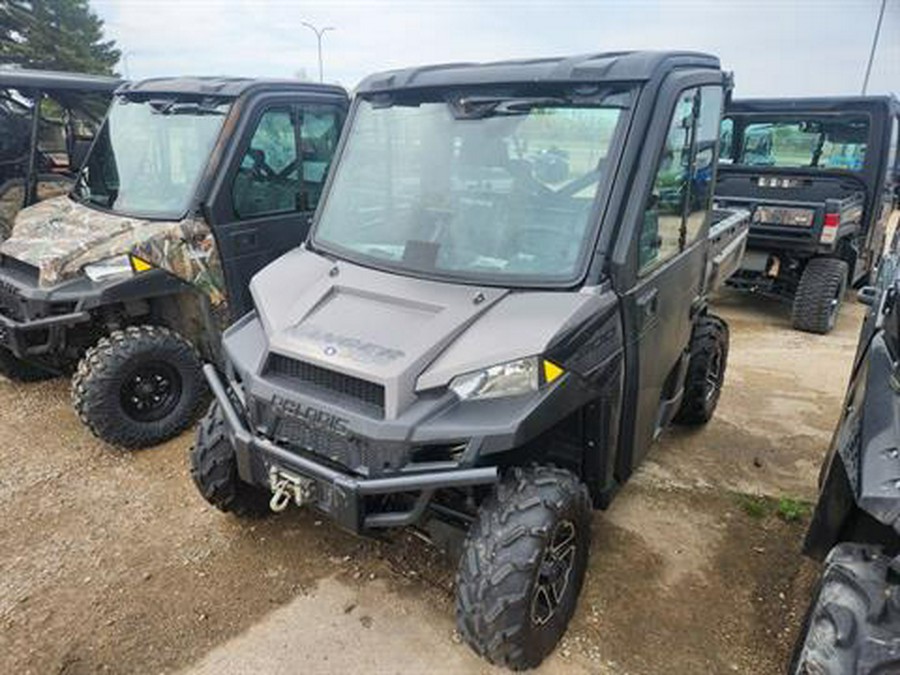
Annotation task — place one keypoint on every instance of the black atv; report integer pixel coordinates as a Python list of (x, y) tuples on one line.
[(853, 624), (501, 304), (819, 176), (191, 187)]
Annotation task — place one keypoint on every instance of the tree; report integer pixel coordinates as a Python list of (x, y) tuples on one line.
[(55, 35)]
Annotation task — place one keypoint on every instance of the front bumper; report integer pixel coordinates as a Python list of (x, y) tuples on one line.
[(343, 497), (37, 337), (33, 321)]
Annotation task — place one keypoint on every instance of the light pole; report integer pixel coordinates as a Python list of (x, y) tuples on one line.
[(874, 45), (124, 60), (319, 33)]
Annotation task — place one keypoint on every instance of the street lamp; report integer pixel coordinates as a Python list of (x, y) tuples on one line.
[(874, 47), (319, 33), (124, 60)]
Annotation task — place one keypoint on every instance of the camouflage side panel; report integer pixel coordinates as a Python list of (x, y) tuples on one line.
[(10, 204), (12, 198), (187, 249), (61, 236)]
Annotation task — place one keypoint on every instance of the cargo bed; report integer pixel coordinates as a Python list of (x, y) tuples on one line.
[(728, 234)]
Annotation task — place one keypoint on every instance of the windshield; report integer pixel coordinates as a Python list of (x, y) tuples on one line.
[(476, 189), (826, 143), (149, 156)]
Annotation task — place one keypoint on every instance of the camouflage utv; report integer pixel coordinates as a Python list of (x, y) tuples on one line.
[(47, 123), (191, 186)]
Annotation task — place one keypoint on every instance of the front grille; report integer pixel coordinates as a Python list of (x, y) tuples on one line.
[(346, 451), (369, 394), (11, 301)]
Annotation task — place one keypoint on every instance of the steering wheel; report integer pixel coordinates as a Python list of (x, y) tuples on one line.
[(573, 187), (260, 169)]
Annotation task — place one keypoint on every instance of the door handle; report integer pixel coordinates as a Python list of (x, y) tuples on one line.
[(247, 239), (648, 304)]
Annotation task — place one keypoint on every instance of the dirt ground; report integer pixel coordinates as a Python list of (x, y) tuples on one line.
[(110, 561)]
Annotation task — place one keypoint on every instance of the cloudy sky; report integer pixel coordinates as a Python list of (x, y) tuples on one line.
[(779, 47)]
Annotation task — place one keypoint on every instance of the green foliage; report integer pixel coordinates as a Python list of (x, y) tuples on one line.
[(754, 506), (759, 507), (55, 35), (792, 510)]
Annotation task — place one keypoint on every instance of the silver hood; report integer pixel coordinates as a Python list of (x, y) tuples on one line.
[(404, 333)]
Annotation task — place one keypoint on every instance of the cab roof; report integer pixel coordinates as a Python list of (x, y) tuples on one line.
[(22, 78), (600, 67), (819, 104), (229, 87)]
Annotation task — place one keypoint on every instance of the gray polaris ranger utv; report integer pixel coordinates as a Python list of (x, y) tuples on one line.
[(502, 303), (819, 176), (191, 186), (853, 624)]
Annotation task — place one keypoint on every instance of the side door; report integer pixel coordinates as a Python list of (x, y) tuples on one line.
[(876, 239), (265, 197), (668, 250)]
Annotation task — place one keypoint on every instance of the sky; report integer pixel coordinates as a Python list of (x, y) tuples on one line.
[(774, 47)]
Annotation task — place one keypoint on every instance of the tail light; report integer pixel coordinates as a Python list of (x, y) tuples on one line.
[(830, 225)]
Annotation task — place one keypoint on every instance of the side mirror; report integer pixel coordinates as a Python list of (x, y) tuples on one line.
[(867, 295)]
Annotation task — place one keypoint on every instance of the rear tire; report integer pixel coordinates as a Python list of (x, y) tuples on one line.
[(854, 618), (139, 387), (214, 471), (17, 370), (819, 295), (523, 566), (706, 371)]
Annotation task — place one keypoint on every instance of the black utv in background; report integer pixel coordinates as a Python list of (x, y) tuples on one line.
[(192, 185), (853, 624), (47, 123), (819, 176), (501, 304)]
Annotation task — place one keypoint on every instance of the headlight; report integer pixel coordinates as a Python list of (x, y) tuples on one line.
[(506, 379), (120, 266)]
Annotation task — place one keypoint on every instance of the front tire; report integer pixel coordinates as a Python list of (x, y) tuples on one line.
[(214, 471), (523, 566), (706, 371), (854, 617), (17, 370), (139, 387), (819, 295)]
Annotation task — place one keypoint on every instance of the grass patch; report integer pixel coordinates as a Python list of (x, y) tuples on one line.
[(788, 509), (792, 510), (754, 506)]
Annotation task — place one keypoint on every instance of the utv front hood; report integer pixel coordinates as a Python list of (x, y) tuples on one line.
[(60, 236), (404, 333)]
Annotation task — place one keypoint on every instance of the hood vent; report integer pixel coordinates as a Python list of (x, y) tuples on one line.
[(328, 383)]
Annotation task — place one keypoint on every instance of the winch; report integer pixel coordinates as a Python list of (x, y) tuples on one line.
[(287, 487)]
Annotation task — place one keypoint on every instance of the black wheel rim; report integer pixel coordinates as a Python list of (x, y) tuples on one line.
[(150, 391), (714, 375), (554, 573)]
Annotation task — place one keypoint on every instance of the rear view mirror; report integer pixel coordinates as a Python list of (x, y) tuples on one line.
[(867, 295)]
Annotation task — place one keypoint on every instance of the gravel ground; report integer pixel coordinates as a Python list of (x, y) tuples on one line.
[(110, 561)]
